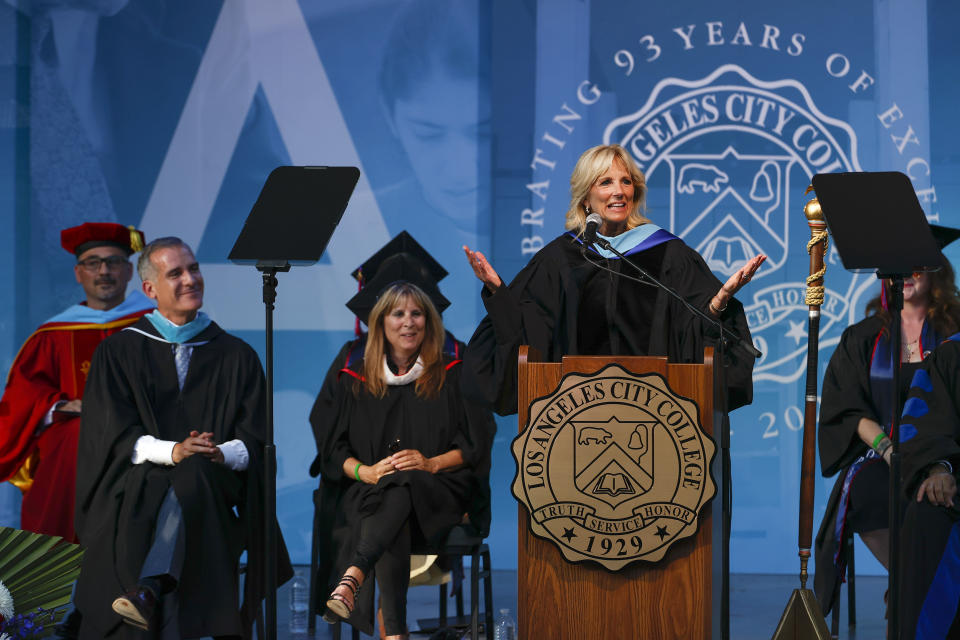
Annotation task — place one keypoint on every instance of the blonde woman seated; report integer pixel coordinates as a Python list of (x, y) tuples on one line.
[(403, 441)]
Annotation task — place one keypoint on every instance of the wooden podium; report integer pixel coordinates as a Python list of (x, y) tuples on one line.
[(676, 597)]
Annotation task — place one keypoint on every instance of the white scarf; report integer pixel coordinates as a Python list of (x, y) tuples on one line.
[(393, 379)]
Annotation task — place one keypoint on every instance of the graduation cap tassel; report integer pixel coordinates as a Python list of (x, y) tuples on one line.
[(802, 618), (357, 329)]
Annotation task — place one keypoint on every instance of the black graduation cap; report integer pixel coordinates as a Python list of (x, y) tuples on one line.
[(403, 242), (401, 267), (944, 235)]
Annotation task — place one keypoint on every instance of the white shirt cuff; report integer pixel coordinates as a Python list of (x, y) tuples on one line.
[(235, 455), (150, 449), (48, 417)]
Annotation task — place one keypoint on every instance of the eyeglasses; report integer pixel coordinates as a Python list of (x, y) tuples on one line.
[(113, 263)]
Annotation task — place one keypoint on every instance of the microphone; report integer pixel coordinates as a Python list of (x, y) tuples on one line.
[(590, 230)]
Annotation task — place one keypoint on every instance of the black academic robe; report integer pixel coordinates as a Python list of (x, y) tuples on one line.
[(365, 426), (561, 304), (324, 417), (132, 390), (930, 552), (845, 398)]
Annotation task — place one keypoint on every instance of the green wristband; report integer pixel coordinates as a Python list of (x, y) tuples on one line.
[(878, 439), (356, 471)]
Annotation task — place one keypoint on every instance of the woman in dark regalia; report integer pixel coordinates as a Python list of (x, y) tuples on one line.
[(855, 414), (930, 547), (404, 437), (571, 301)]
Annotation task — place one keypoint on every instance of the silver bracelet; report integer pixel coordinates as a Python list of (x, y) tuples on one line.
[(885, 444), (944, 463)]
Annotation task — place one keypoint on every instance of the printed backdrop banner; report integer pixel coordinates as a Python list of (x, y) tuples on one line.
[(466, 118)]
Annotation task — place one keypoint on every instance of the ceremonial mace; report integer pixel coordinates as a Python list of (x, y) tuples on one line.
[(802, 618)]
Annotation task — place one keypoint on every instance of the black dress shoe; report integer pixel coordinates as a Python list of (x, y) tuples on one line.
[(69, 627), (137, 607)]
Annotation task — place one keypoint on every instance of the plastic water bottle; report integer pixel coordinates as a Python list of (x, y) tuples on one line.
[(299, 594), (506, 628)]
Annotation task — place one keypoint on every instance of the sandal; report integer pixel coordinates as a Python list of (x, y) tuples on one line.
[(338, 604)]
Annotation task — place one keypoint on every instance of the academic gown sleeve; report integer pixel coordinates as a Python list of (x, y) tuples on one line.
[(323, 415), (32, 388), (109, 429), (682, 336), (483, 429), (525, 312), (336, 446), (845, 397), (739, 363), (540, 308), (474, 438), (480, 427), (930, 428)]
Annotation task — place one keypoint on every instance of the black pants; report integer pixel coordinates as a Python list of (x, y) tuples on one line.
[(384, 545)]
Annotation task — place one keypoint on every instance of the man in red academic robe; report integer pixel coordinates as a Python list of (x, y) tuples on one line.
[(41, 405)]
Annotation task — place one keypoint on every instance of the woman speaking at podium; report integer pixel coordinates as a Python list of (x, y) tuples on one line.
[(576, 300)]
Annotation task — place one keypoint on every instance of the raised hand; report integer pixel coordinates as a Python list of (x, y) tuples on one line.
[(482, 269), (743, 275)]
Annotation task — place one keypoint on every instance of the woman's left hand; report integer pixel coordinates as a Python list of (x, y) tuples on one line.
[(743, 275), (410, 459), (733, 284)]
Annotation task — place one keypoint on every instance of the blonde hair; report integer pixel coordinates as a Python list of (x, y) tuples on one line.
[(593, 163), (431, 351)]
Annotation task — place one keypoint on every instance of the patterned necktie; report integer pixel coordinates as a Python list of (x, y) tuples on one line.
[(181, 357)]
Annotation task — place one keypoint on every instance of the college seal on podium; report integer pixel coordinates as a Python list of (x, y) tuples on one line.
[(613, 467)]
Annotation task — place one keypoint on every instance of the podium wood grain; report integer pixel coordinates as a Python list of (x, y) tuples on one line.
[(669, 599)]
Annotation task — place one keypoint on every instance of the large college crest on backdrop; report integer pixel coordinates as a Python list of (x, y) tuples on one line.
[(729, 116), (725, 153), (613, 467)]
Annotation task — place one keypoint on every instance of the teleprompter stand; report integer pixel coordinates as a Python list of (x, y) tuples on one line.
[(290, 224), (878, 225)]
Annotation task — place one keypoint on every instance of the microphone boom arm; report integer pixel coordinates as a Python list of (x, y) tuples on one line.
[(726, 334)]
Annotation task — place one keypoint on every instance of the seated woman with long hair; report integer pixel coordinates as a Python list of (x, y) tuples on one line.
[(409, 450), (855, 414)]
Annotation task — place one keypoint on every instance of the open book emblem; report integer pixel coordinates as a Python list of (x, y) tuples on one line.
[(612, 459)]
